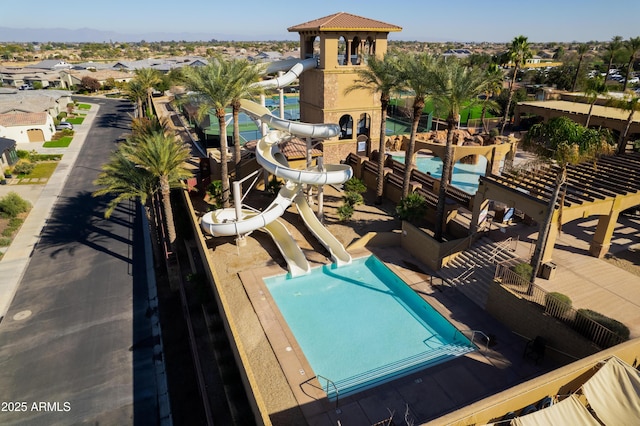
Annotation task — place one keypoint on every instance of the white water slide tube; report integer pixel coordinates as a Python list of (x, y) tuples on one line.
[(338, 253), (297, 263), (295, 67)]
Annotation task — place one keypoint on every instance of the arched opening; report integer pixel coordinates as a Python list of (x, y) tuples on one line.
[(342, 51), (364, 125), (346, 127), (356, 53), (311, 47), (369, 46)]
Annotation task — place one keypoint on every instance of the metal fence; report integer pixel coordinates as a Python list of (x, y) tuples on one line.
[(592, 330)]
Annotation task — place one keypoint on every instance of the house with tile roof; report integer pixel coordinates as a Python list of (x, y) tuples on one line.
[(73, 78), (52, 102), (24, 127)]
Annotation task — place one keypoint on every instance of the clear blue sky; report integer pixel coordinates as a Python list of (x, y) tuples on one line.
[(423, 20)]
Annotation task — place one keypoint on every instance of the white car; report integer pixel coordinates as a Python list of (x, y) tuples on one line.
[(634, 80), (64, 125)]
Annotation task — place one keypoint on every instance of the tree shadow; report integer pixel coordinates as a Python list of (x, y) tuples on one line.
[(79, 221)]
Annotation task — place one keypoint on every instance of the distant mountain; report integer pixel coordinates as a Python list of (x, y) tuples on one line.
[(85, 35)]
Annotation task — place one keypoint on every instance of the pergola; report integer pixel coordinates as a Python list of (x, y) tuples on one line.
[(603, 188)]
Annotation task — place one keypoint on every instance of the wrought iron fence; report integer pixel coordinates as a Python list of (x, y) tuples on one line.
[(594, 331)]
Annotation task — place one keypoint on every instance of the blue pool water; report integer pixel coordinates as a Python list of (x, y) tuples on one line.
[(465, 176), (360, 325)]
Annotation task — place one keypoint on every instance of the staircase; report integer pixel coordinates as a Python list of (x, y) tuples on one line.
[(472, 271)]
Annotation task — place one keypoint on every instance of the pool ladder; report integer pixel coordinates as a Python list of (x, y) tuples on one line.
[(326, 388), (473, 336)]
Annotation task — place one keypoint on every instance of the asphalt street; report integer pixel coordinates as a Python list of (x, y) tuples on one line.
[(76, 343)]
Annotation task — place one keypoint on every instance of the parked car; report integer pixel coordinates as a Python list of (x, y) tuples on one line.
[(64, 125)]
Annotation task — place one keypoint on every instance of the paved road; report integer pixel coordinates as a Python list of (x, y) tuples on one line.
[(75, 343)]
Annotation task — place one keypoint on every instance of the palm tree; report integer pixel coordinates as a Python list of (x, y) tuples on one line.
[(494, 77), (417, 77), (629, 102), (122, 178), (381, 76), (518, 53), (582, 49), (633, 46), (611, 49), (242, 86), (163, 156), (596, 86), (566, 142), (213, 88), (147, 78), (137, 94), (454, 87)]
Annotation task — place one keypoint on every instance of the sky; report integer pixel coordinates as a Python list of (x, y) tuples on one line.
[(421, 20)]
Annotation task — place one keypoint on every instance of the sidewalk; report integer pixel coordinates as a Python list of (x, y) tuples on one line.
[(42, 199)]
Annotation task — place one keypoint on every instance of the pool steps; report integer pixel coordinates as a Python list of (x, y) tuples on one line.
[(397, 369)]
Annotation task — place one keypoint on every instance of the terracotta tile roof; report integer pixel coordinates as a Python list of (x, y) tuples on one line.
[(23, 119), (344, 21)]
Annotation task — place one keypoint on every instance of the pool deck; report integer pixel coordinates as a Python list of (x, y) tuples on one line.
[(424, 395)]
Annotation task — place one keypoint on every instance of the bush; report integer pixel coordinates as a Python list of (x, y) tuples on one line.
[(345, 212), (355, 185), (274, 186), (557, 304), (11, 205), (5, 241), (494, 132), (22, 154), (215, 193), (524, 270), (23, 168), (412, 208), (582, 326), (353, 198)]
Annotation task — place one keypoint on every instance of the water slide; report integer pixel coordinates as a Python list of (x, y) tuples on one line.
[(224, 222)]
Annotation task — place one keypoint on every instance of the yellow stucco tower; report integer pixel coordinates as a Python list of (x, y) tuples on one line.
[(341, 43)]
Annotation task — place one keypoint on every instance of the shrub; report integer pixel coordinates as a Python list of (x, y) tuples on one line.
[(582, 326), (494, 132), (345, 212), (524, 270), (353, 198), (5, 241), (11, 205), (355, 185), (557, 304), (23, 168), (22, 154), (273, 186), (215, 193), (412, 208)]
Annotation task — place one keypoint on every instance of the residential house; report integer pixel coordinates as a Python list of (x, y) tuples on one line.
[(51, 64), (8, 154), (52, 102), (24, 127), (72, 78)]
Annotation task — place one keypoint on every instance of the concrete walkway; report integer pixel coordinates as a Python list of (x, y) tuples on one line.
[(42, 198)]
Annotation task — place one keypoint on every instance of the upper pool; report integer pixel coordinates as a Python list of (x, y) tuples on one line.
[(360, 325), (464, 177)]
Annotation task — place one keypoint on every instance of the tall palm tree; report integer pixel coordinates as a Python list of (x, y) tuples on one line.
[(518, 53), (381, 76), (122, 178), (633, 46), (147, 78), (213, 88), (582, 49), (417, 77), (454, 87), (163, 156), (493, 87), (136, 93), (610, 50), (596, 86), (566, 142), (630, 102), (242, 87)]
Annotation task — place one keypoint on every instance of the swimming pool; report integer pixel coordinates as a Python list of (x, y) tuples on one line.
[(360, 325), (465, 176)]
